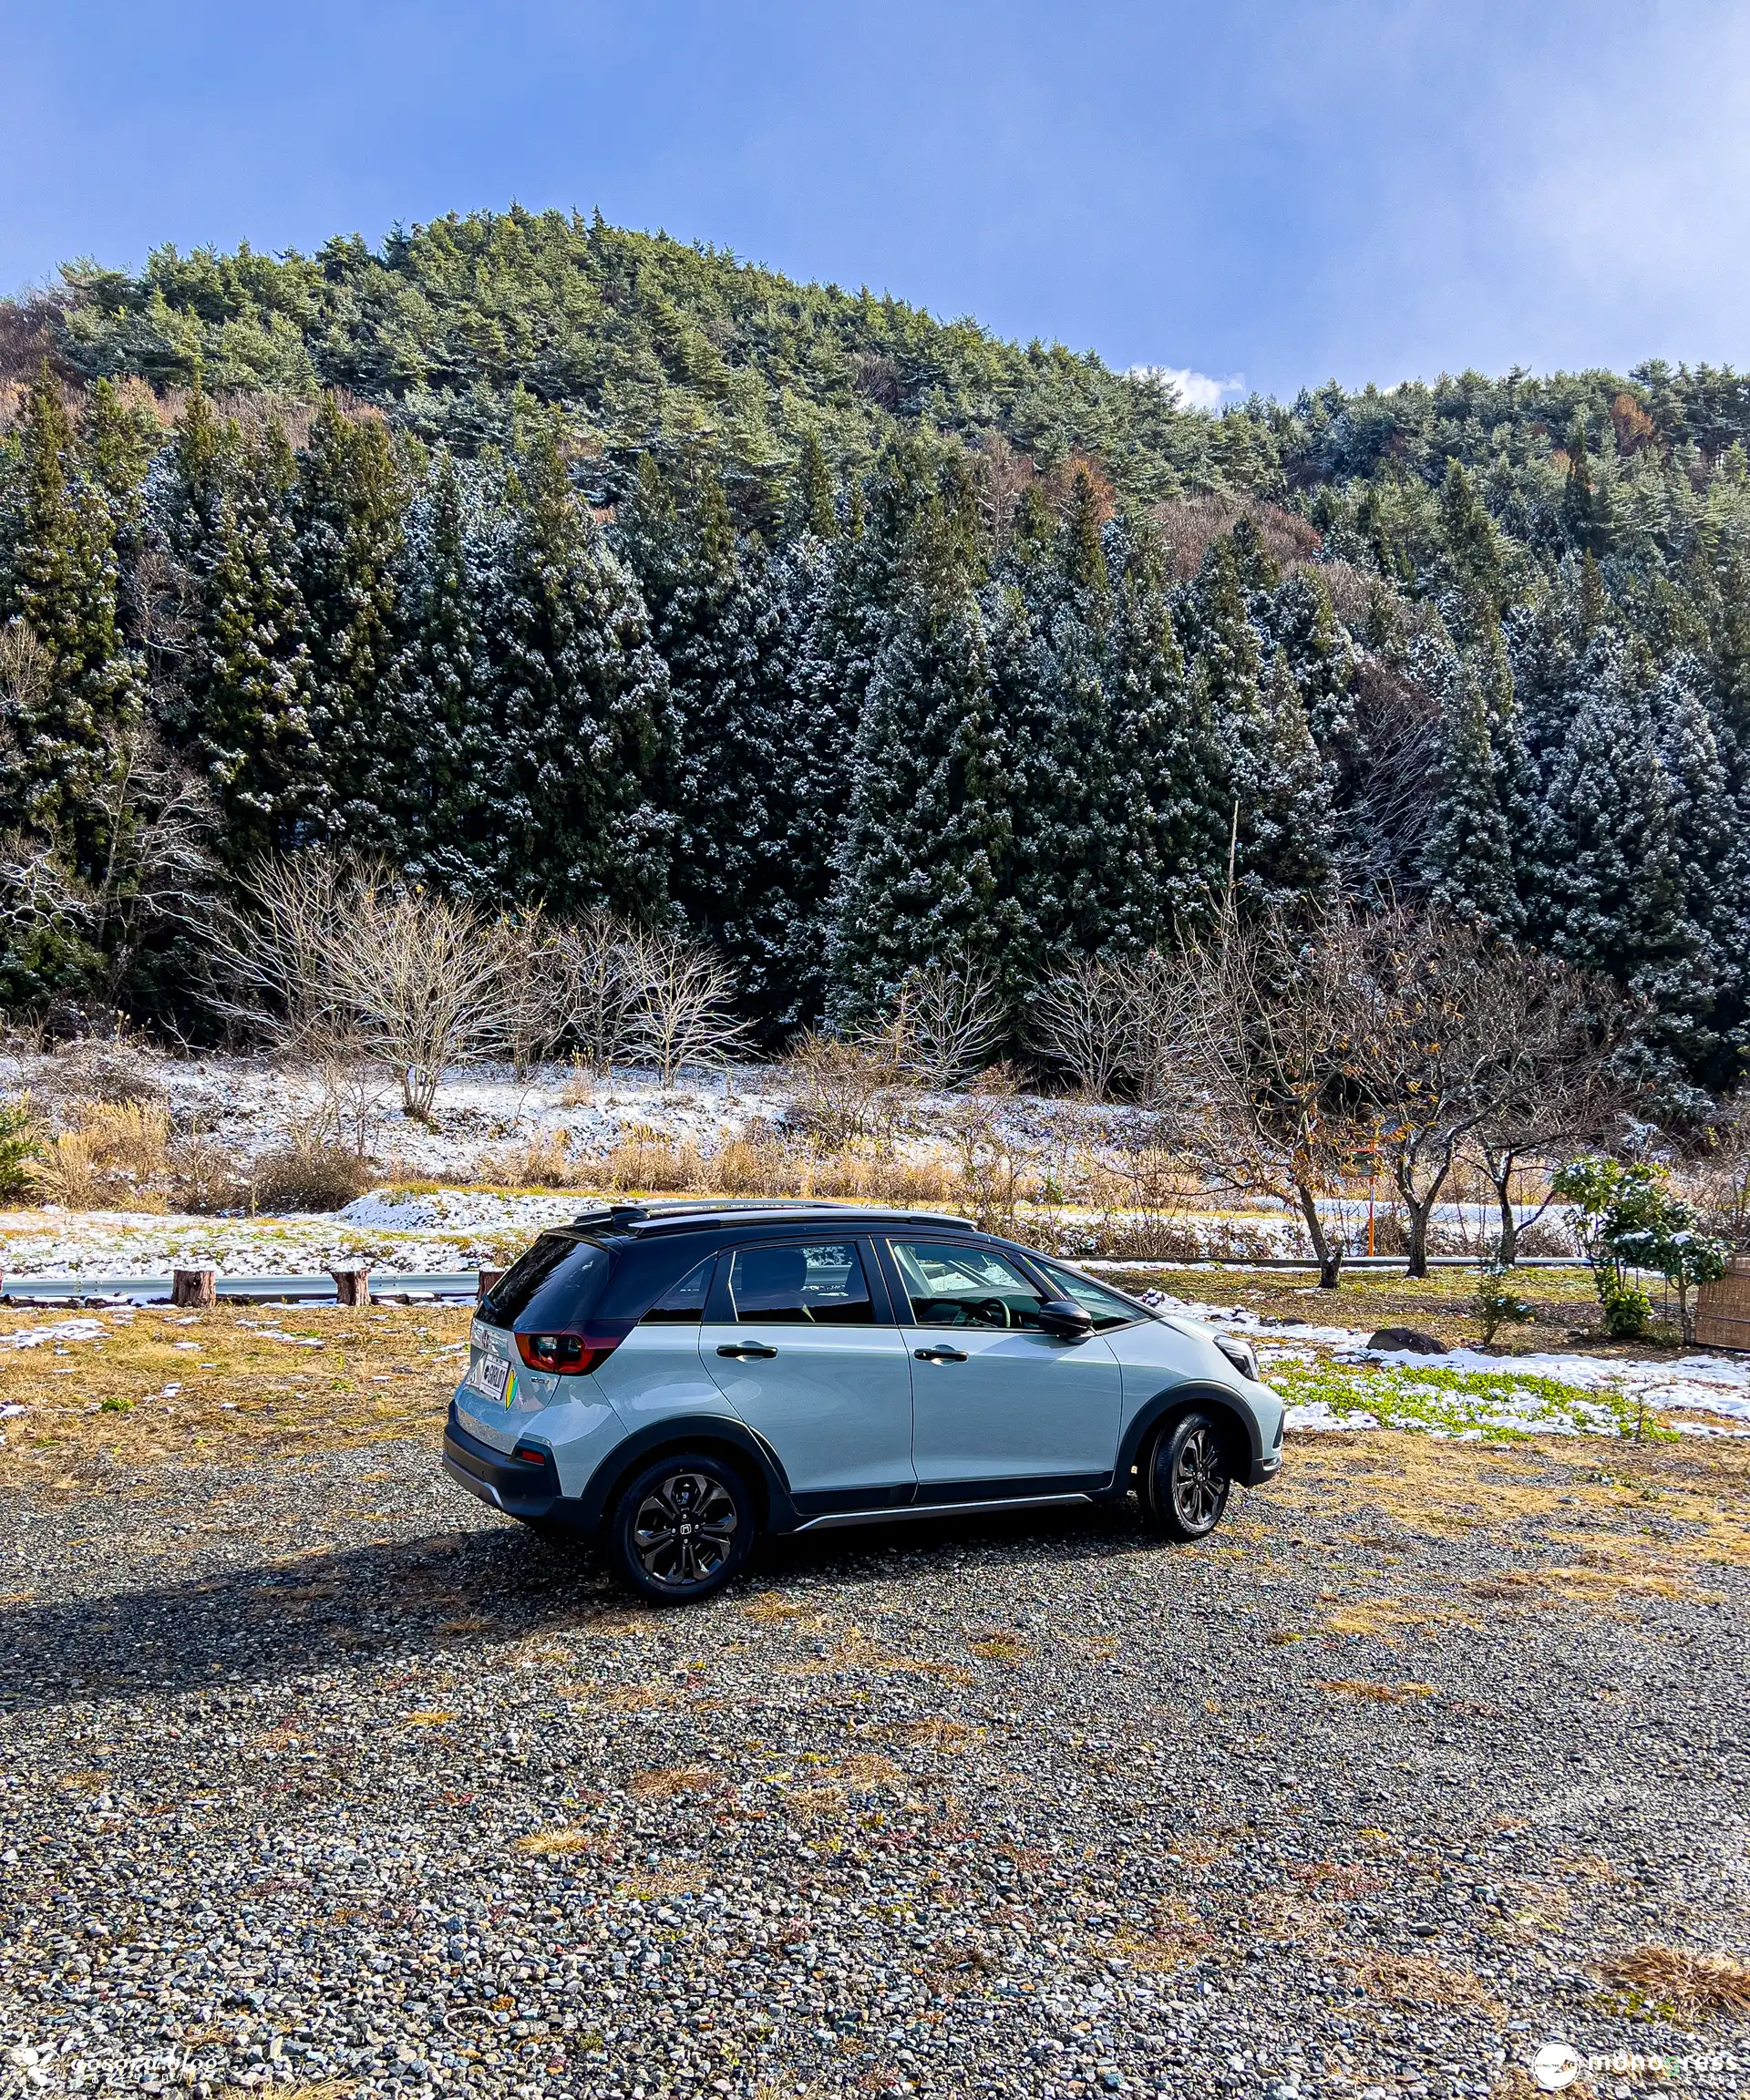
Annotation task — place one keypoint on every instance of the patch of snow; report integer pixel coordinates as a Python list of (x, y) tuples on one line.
[(59, 1330)]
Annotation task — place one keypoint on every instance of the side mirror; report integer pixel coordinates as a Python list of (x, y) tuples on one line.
[(1065, 1318)]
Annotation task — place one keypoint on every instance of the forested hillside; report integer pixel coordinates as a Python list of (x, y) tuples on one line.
[(566, 565)]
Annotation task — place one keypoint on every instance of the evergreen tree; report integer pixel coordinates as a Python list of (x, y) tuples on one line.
[(1275, 785), (927, 843), (1471, 549), (84, 687), (1470, 866), (583, 739), (1607, 883), (349, 511), (247, 708), (437, 735), (718, 622), (834, 600), (816, 507), (1164, 766), (1702, 996)]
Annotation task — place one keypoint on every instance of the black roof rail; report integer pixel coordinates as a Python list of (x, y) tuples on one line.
[(752, 1211), (750, 1208)]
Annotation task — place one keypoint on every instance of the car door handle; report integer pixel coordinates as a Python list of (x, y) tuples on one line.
[(940, 1355), (744, 1349)]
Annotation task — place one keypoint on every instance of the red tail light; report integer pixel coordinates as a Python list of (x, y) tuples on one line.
[(571, 1353)]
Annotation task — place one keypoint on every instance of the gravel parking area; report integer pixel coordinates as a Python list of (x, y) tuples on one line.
[(318, 1777)]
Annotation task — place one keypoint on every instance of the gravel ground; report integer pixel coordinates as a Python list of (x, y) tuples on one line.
[(317, 1776)]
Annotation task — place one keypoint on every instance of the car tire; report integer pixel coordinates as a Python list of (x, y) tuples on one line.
[(680, 1528), (1187, 1480)]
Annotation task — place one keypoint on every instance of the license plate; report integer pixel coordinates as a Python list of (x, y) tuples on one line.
[(488, 1375)]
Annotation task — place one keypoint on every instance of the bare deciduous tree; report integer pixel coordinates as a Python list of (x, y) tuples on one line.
[(272, 957), (339, 962), (1251, 1061), (949, 1022), (1553, 1084), (1464, 1045), (599, 986), (535, 1002), (680, 1005), (1423, 1067), (1086, 1018), (427, 979), (842, 1093)]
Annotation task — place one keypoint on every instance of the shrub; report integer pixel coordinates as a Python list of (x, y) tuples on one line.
[(1497, 1303), (542, 1163), (1628, 1311), (756, 1165), (205, 1174), (115, 1155), (309, 1178), (843, 1092), (647, 1162), (20, 1146)]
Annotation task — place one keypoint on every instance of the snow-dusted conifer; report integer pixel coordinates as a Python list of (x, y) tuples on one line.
[(582, 737), (928, 839), (84, 685)]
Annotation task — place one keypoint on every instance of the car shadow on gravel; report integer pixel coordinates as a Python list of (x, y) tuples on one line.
[(269, 1619)]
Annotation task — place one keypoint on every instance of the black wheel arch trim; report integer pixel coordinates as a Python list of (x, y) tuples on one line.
[(1175, 1400), (692, 1432)]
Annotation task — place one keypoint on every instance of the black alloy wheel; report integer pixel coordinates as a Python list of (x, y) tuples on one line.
[(1188, 1481), (681, 1528)]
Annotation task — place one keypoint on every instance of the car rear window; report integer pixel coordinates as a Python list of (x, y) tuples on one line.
[(557, 1284)]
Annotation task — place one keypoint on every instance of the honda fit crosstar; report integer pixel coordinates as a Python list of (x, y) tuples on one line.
[(672, 1380)]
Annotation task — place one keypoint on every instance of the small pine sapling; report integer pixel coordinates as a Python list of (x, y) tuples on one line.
[(1496, 1302), (20, 1146)]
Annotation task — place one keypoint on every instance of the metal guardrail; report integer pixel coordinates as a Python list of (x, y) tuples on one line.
[(386, 1286), (462, 1285), (1365, 1264)]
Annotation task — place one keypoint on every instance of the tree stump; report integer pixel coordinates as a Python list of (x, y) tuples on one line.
[(488, 1277), (197, 1287), (351, 1286)]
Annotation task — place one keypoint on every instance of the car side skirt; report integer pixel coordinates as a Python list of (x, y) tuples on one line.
[(842, 1519)]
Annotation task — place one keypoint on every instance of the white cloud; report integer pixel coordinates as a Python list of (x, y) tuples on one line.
[(1192, 389)]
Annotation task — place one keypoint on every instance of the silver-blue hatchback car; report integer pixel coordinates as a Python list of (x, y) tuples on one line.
[(672, 1380)]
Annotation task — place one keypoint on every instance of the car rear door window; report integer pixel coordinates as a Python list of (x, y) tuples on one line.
[(823, 1285), (963, 1286)]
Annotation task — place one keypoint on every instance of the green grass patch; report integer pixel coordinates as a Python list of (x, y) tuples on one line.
[(1498, 1406)]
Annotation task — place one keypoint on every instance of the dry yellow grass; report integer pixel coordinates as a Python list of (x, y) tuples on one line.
[(1689, 1986), (1178, 1938), (237, 1382), (1385, 1694), (552, 1844), (1002, 1648), (665, 1784), (941, 1734), (1420, 1982)]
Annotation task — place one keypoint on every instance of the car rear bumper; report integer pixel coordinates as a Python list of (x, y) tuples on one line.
[(519, 1486)]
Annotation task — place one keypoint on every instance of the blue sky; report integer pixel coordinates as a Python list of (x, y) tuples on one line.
[(1271, 193)]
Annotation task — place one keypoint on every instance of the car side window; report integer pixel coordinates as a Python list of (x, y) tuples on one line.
[(822, 1286), (682, 1304), (1109, 1309), (963, 1286)]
